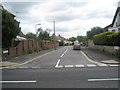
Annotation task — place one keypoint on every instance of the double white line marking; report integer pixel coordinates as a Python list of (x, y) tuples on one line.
[(57, 65)]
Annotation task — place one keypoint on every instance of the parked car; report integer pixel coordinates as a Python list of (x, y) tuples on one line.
[(76, 47)]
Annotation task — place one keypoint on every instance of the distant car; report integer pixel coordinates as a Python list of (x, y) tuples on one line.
[(76, 47)]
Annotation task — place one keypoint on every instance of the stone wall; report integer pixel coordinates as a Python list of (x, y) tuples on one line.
[(107, 49)]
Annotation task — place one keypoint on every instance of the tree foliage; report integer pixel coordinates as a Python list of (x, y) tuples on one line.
[(82, 38), (10, 29), (94, 31), (31, 35), (72, 39), (43, 34)]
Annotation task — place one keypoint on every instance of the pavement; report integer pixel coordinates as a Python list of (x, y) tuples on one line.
[(100, 56), (95, 55)]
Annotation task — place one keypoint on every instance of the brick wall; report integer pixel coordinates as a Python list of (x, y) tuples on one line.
[(28, 46)]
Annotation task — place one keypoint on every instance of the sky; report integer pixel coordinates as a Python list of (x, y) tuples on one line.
[(72, 17)]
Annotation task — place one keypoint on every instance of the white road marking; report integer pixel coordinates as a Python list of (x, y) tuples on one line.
[(102, 65), (116, 65), (17, 81), (65, 51), (91, 65), (60, 59), (68, 65), (11, 67), (109, 79), (60, 66), (89, 58), (22, 67), (62, 55), (79, 66), (57, 63)]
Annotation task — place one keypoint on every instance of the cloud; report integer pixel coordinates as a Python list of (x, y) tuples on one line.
[(73, 17)]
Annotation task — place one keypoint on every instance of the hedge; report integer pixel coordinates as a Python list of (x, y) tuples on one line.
[(107, 38)]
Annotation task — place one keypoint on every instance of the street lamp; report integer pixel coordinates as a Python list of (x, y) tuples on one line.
[(36, 28), (54, 34)]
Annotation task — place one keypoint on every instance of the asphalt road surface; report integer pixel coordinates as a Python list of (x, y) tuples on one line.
[(61, 68)]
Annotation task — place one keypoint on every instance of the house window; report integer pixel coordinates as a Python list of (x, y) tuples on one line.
[(113, 30)]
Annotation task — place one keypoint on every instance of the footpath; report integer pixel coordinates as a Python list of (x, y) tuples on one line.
[(100, 56), (24, 58)]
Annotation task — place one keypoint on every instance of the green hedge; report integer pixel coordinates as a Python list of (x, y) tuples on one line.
[(107, 38)]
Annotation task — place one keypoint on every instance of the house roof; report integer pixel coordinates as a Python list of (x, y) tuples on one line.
[(58, 37), (118, 10)]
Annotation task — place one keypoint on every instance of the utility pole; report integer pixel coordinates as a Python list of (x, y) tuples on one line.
[(54, 34)]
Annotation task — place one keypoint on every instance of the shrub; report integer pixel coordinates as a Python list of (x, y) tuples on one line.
[(107, 38)]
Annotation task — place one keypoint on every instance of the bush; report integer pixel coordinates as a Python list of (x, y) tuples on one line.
[(107, 38)]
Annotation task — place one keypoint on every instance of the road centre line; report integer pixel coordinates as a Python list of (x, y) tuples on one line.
[(57, 63), (17, 81), (60, 59), (108, 79), (62, 55)]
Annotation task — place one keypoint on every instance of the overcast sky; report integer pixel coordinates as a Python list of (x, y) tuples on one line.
[(72, 17)]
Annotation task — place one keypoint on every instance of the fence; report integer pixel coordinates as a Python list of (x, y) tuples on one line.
[(28, 46)]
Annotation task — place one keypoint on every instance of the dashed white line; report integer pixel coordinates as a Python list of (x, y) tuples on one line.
[(57, 63), (114, 65), (109, 79), (60, 66), (22, 67), (69, 66), (79, 66), (17, 81), (60, 59), (91, 65), (102, 65), (62, 55)]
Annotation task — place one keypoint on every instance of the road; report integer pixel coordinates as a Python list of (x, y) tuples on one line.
[(61, 68)]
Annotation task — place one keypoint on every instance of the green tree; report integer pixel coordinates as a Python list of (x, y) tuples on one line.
[(31, 35), (82, 38), (43, 35), (94, 31), (72, 39), (10, 29)]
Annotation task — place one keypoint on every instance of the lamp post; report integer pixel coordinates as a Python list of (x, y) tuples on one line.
[(36, 28), (54, 34)]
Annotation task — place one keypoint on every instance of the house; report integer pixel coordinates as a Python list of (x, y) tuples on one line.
[(115, 26)]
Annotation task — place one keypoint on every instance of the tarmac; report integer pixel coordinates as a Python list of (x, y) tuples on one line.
[(94, 55)]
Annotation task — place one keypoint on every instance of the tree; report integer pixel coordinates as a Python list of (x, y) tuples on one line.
[(10, 29), (43, 35), (72, 39), (31, 35), (82, 38), (94, 31)]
